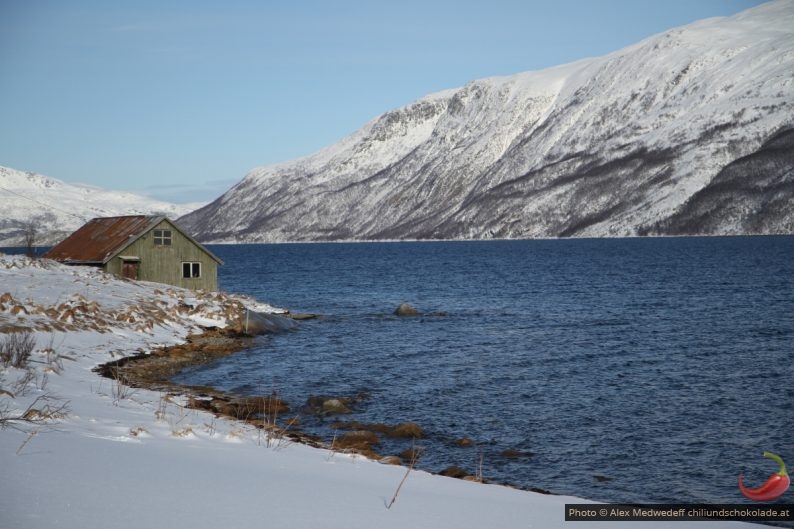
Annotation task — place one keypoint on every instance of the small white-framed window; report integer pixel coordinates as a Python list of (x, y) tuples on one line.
[(191, 270), (162, 237)]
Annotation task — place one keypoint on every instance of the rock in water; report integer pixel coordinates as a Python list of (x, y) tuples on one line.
[(404, 309), (335, 406)]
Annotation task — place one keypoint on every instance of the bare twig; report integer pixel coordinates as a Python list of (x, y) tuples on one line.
[(210, 427), (24, 383), (30, 436), (481, 457), (42, 411), (162, 408), (414, 458), (333, 446)]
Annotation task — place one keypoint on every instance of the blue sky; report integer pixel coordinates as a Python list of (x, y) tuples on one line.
[(179, 99)]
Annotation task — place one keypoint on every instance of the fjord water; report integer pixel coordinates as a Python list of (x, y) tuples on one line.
[(632, 370)]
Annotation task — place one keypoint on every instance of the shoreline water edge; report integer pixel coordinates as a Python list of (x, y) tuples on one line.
[(156, 369), (78, 449)]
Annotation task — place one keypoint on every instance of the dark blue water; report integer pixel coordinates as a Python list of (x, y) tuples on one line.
[(663, 365)]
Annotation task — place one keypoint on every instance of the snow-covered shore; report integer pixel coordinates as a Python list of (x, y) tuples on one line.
[(99, 454)]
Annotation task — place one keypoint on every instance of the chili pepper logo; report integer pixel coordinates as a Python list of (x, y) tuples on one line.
[(773, 488)]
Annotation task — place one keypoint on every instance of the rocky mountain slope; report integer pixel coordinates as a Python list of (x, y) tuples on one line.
[(687, 132), (56, 209)]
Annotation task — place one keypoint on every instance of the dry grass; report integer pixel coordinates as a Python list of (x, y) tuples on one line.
[(120, 388), (182, 432), (40, 415), (162, 407), (45, 410), (138, 430), (15, 349)]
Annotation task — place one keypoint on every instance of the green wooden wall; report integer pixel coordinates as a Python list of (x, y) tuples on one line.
[(163, 264)]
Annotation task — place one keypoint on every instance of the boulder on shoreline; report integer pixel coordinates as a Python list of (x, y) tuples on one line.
[(361, 440), (268, 406), (256, 323), (411, 455), (391, 460), (300, 316), (406, 430), (454, 472)]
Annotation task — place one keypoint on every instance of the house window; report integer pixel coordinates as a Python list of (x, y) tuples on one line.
[(162, 237), (191, 270)]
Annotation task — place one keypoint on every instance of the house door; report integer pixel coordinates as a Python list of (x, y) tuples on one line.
[(129, 269)]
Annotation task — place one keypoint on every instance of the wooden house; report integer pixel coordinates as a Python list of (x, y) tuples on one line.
[(148, 248)]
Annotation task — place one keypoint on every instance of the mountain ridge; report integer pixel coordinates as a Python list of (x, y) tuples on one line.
[(606, 146), (56, 208)]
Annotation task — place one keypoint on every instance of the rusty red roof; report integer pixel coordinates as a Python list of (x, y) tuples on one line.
[(101, 238)]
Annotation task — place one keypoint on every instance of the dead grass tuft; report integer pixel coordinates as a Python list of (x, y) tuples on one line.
[(15, 349)]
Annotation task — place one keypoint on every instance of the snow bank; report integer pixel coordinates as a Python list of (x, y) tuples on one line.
[(100, 454)]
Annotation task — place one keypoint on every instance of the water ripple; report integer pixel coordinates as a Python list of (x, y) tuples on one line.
[(628, 370)]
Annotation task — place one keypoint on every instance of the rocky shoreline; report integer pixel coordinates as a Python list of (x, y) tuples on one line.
[(155, 370)]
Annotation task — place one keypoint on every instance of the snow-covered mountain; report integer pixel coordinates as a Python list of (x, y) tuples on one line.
[(688, 131), (56, 208)]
